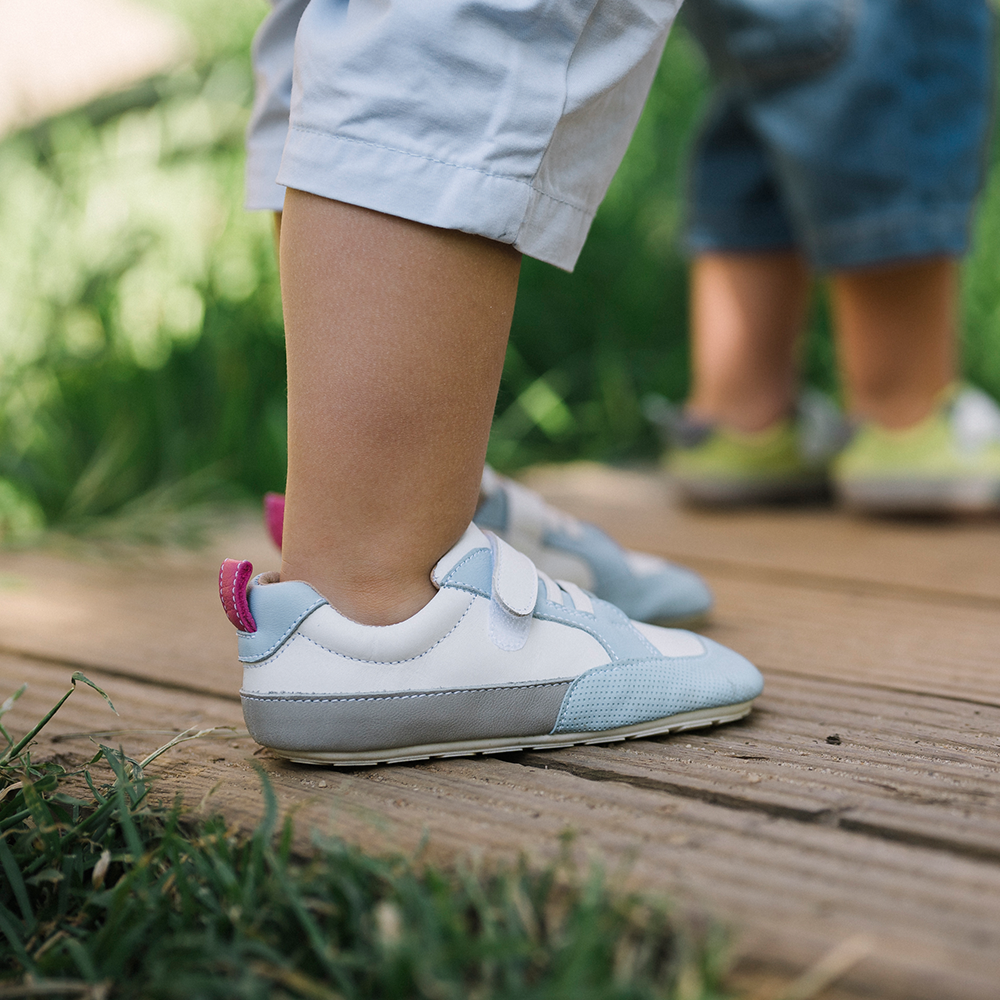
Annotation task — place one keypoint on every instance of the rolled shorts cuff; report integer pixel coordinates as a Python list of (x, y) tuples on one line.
[(737, 232), (899, 234), (436, 193), (262, 194)]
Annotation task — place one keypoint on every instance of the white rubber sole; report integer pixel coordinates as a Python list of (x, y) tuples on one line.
[(697, 719)]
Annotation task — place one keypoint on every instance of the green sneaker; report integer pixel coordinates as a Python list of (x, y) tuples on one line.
[(716, 466), (947, 463)]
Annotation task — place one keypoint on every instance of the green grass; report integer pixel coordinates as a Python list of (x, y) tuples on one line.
[(111, 895)]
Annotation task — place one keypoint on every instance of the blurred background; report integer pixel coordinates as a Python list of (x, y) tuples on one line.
[(141, 356)]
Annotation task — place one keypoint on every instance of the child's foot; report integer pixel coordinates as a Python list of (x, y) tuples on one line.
[(947, 463), (645, 587), (502, 658), (715, 466)]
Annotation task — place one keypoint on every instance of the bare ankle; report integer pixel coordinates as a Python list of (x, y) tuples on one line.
[(368, 601), (747, 417), (897, 410)]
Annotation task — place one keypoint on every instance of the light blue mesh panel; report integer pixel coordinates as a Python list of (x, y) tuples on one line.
[(634, 691)]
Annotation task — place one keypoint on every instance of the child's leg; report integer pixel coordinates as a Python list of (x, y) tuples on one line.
[(396, 334), (895, 329), (505, 120), (747, 314), (897, 337)]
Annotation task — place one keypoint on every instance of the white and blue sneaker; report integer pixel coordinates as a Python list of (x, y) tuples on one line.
[(503, 658), (645, 587)]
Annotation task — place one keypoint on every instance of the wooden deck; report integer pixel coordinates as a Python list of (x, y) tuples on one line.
[(857, 808)]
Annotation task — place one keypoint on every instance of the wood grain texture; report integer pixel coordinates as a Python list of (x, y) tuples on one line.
[(143, 613), (798, 860), (902, 643), (861, 797), (945, 559), (161, 619)]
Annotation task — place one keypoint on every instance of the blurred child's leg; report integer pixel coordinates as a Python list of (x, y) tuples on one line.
[(857, 137), (747, 315), (396, 334), (742, 437), (896, 334)]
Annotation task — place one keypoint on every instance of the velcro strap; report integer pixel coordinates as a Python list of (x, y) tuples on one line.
[(515, 590), (515, 579)]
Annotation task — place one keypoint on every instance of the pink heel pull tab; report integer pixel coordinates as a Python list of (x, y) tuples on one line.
[(234, 575), (274, 516)]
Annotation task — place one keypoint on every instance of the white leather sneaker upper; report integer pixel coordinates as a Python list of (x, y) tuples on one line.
[(501, 652)]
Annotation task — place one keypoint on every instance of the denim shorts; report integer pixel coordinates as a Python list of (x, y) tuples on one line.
[(852, 130), (504, 118)]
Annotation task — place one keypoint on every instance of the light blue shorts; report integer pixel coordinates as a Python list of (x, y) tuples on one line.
[(504, 118), (853, 130)]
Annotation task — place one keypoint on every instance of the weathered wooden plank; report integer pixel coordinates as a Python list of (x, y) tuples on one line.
[(898, 642), (794, 888), (148, 715), (162, 621), (753, 980), (899, 754), (800, 842), (956, 558), (153, 614), (910, 768)]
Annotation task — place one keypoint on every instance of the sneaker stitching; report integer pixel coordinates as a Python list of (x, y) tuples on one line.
[(592, 631), (467, 588), (358, 659), (468, 557), (409, 694), (283, 639), (461, 562)]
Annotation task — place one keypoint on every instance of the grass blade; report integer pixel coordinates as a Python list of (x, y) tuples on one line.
[(83, 678), (16, 883), (14, 751), (6, 707), (8, 927)]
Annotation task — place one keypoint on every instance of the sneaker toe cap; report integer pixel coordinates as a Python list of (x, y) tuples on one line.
[(672, 595), (634, 691)]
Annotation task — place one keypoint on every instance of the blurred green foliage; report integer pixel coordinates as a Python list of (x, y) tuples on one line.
[(141, 353), (141, 356), (585, 347)]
